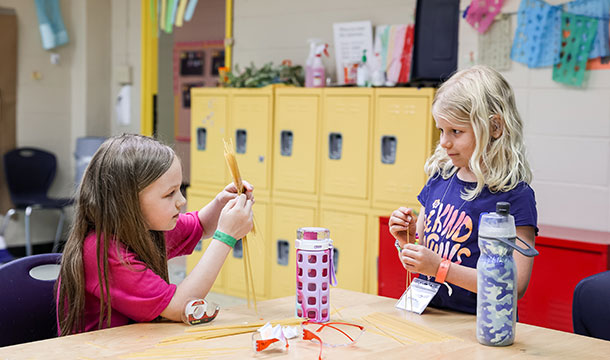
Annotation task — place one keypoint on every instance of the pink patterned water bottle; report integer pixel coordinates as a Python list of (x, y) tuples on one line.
[(315, 273)]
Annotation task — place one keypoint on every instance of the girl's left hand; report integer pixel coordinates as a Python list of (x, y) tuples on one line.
[(230, 192), (420, 259)]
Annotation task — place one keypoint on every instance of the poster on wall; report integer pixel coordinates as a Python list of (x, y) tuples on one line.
[(186, 93), (351, 39), (191, 63)]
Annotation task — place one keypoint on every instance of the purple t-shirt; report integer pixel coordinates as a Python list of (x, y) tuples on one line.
[(451, 227), (137, 293)]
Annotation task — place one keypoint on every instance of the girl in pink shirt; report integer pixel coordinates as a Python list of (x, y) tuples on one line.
[(127, 225)]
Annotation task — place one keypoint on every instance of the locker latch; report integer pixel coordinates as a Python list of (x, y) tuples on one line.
[(283, 252), (202, 135), (335, 146), (286, 143), (240, 141), (238, 251), (388, 149)]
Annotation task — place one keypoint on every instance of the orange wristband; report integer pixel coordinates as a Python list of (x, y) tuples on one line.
[(441, 273)]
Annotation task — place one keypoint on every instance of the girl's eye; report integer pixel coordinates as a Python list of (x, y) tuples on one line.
[(171, 194), (457, 131)]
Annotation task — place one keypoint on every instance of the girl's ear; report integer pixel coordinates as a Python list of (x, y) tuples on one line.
[(497, 126)]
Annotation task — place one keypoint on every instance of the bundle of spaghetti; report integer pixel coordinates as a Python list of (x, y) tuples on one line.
[(182, 353), (232, 164), (212, 332), (406, 329)]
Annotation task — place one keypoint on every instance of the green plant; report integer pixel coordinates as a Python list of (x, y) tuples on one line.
[(268, 74)]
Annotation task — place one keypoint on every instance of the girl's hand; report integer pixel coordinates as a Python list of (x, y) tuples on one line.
[(230, 192), (402, 220), (236, 217), (420, 259)]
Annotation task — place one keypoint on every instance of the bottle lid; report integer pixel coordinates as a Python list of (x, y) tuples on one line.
[(503, 208), (313, 233), (313, 238)]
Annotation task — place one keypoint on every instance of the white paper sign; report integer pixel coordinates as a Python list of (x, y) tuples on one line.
[(350, 39)]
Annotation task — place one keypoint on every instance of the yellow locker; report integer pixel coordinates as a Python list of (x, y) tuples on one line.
[(348, 230), (235, 281), (295, 149), (286, 219), (196, 199), (209, 124), (252, 129), (346, 145), (403, 139)]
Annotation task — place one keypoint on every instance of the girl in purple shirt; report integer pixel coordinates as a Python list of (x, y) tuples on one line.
[(127, 225), (480, 160)]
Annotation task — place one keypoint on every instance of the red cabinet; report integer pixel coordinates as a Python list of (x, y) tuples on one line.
[(566, 257), (391, 275)]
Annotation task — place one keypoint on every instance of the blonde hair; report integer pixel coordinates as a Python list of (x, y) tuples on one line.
[(108, 204), (482, 98)]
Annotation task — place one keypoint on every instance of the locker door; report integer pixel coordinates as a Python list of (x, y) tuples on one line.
[(209, 117), (286, 220), (295, 142), (348, 231), (401, 147), (345, 143), (251, 130), (235, 281)]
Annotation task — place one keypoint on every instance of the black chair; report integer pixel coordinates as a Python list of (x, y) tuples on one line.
[(591, 306), (27, 302), (29, 175)]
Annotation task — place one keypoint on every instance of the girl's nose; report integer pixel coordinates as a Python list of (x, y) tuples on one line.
[(445, 142), (181, 201)]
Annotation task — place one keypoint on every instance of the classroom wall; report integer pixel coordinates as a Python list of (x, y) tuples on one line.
[(567, 130), (64, 101)]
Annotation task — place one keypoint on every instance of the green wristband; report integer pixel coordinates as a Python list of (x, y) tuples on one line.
[(225, 238)]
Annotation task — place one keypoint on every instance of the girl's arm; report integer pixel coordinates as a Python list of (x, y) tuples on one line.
[(235, 220), (208, 215), (524, 264)]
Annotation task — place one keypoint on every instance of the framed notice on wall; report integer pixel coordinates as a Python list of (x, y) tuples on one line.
[(191, 63), (350, 40)]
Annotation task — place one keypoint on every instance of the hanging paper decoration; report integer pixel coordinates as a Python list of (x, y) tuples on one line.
[(494, 45), (52, 29), (537, 38), (578, 33), (481, 13), (600, 10)]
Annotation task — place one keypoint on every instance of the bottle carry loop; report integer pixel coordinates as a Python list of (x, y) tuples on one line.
[(529, 252)]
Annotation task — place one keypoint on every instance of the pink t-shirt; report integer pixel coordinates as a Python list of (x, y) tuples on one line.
[(137, 293)]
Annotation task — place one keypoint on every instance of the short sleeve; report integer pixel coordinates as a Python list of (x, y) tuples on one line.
[(425, 193), (136, 291), (523, 206), (183, 238)]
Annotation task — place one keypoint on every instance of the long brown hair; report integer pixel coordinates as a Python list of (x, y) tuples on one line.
[(108, 203)]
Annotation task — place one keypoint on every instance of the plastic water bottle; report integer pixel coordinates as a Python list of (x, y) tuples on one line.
[(497, 277), (315, 273)]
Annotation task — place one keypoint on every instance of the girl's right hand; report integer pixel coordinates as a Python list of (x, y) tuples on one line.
[(402, 220), (236, 217)]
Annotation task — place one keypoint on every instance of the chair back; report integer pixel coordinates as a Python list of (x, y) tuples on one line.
[(591, 306), (27, 304), (29, 172)]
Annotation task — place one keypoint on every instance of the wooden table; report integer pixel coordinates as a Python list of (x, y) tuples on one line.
[(530, 341)]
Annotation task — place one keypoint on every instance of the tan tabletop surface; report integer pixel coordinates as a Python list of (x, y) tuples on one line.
[(530, 341)]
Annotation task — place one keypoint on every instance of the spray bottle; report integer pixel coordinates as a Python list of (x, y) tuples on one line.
[(363, 73), (317, 73), (313, 43)]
